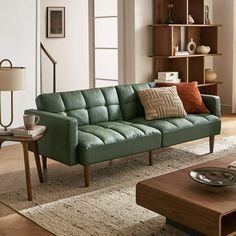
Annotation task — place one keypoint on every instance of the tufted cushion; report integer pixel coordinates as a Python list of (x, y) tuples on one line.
[(51, 102), (109, 140), (75, 106), (179, 130), (161, 103), (90, 106), (129, 100)]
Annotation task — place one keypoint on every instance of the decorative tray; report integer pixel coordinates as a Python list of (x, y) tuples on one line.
[(214, 176)]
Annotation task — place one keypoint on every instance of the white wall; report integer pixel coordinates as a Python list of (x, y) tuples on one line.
[(138, 43), (129, 39), (71, 52), (143, 42), (223, 13), (18, 43)]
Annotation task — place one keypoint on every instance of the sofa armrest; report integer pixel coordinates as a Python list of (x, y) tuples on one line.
[(61, 138), (213, 104)]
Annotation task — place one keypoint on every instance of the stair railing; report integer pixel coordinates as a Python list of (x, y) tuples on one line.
[(54, 63)]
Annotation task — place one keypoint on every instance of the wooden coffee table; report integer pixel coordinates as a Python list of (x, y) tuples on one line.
[(191, 206)]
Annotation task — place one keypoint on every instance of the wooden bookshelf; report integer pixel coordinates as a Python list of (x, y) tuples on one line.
[(167, 36)]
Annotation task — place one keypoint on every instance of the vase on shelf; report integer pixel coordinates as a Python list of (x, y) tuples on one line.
[(191, 47), (203, 49), (210, 75), (207, 19)]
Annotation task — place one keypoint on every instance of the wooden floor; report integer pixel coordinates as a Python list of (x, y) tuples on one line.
[(13, 178)]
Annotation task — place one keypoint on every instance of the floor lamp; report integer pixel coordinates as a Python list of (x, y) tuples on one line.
[(11, 79)]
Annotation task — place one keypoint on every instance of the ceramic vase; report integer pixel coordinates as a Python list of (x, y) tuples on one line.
[(203, 49), (210, 75), (191, 47)]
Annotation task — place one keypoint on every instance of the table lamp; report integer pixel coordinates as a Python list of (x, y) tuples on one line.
[(11, 79)]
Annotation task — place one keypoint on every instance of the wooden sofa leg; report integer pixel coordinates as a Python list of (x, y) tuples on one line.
[(150, 157), (86, 176), (212, 141), (44, 160)]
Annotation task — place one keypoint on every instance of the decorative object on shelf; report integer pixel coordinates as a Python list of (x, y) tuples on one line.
[(191, 47), (203, 49), (207, 19), (190, 20), (170, 8), (11, 79), (210, 75), (55, 22), (168, 77), (176, 49)]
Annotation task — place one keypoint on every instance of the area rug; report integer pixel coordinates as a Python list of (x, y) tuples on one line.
[(107, 207)]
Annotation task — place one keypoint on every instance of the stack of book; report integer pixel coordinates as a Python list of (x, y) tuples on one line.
[(23, 132)]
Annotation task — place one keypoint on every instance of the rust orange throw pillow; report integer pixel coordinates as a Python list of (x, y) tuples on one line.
[(190, 96)]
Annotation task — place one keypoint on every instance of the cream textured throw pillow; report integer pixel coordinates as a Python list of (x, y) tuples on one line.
[(161, 103)]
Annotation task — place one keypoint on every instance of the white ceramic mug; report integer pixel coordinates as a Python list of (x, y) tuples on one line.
[(30, 121)]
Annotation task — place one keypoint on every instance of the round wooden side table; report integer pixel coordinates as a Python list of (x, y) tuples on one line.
[(25, 141)]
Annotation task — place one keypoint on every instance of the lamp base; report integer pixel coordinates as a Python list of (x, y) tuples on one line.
[(6, 133)]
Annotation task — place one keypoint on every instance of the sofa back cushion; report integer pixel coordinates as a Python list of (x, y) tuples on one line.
[(90, 106), (129, 100)]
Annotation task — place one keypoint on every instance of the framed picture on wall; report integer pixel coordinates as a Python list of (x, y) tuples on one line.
[(55, 22)]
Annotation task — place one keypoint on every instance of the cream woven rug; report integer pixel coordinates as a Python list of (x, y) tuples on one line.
[(107, 207)]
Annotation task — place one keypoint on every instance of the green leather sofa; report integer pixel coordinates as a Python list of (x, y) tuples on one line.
[(95, 125)]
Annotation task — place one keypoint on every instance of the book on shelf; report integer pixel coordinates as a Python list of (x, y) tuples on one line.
[(23, 132), (167, 81), (182, 53)]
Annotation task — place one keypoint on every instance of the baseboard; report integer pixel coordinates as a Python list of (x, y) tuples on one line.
[(226, 109)]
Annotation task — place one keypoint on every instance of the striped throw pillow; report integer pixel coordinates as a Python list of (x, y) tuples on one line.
[(161, 103)]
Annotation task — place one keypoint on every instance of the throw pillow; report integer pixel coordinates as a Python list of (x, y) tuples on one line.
[(189, 95), (161, 103)]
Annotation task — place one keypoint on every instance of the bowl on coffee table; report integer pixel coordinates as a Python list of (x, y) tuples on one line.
[(214, 176)]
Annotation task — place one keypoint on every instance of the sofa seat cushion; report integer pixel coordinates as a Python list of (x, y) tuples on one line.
[(179, 130), (109, 140)]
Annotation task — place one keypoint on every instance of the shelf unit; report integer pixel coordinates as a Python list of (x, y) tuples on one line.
[(167, 36)]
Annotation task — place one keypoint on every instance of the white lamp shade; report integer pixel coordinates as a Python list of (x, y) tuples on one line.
[(12, 79)]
